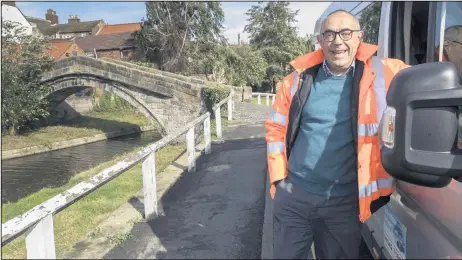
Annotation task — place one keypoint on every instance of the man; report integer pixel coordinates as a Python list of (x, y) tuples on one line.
[(323, 149), (452, 50)]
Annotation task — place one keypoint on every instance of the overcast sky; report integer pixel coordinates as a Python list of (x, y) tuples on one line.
[(129, 12)]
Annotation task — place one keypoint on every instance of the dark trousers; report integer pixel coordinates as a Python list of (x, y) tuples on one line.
[(301, 218)]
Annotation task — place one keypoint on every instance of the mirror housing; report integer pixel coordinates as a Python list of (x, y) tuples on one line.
[(419, 130)]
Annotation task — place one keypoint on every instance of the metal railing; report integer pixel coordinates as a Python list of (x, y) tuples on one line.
[(37, 223), (268, 95)]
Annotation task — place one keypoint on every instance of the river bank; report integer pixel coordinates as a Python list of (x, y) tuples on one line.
[(93, 127), (10, 154)]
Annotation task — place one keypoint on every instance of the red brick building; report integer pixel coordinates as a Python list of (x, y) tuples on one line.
[(62, 49)]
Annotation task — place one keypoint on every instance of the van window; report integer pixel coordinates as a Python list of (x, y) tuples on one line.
[(369, 19), (448, 41)]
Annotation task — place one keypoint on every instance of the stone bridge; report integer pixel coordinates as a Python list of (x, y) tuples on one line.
[(168, 99)]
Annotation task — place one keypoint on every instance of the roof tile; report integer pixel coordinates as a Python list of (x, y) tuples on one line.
[(119, 28), (106, 42)]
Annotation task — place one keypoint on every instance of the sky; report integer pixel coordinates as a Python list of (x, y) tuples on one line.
[(129, 12)]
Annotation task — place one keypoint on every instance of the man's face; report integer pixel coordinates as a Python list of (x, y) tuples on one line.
[(340, 49), (454, 51)]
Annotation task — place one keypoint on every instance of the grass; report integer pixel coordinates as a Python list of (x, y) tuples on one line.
[(77, 220), (262, 100), (84, 126), (74, 222)]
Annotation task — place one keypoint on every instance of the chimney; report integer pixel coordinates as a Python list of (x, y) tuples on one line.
[(239, 39), (73, 19), (51, 16), (10, 3)]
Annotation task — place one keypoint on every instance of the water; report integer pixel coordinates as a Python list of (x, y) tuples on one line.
[(26, 175)]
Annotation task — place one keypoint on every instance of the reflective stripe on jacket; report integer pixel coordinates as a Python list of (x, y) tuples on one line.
[(371, 81)]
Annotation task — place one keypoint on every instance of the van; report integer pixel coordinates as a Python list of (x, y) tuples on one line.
[(423, 218)]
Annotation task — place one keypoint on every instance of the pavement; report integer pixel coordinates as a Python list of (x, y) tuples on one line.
[(216, 212)]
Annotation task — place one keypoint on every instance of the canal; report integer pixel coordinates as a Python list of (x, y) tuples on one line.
[(26, 175)]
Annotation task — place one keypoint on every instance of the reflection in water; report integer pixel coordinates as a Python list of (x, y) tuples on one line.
[(26, 175)]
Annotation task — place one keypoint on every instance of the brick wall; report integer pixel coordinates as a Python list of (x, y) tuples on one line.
[(69, 51), (115, 54)]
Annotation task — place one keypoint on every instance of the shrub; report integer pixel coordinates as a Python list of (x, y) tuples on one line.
[(213, 95)]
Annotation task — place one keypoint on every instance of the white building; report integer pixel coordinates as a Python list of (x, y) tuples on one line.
[(11, 13)]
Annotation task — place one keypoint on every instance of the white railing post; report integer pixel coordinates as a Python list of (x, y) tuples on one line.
[(218, 122), (273, 98), (230, 109), (267, 99), (258, 98), (149, 185), (191, 147), (207, 135), (233, 98), (40, 240)]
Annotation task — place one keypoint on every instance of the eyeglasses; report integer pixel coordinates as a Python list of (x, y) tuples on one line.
[(455, 42), (344, 34)]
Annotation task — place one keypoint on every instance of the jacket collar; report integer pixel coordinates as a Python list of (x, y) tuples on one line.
[(301, 63)]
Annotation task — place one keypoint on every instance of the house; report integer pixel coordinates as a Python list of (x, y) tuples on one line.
[(12, 13), (119, 28), (120, 46), (63, 48), (52, 29)]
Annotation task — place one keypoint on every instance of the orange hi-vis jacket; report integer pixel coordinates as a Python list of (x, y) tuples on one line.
[(372, 78)]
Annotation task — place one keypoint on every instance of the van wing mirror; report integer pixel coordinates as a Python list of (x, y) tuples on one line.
[(421, 127)]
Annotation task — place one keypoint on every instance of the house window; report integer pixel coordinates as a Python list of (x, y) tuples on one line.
[(74, 53)]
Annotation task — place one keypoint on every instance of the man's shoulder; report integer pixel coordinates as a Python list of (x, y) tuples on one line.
[(395, 65)]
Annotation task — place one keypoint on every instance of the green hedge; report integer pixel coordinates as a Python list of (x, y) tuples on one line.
[(213, 95)]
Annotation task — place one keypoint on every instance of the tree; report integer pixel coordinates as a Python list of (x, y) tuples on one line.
[(369, 21), (272, 31), (271, 24), (175, 32), (24, 59), (239, 65)]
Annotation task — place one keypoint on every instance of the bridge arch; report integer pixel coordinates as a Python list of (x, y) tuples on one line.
[(62, 87)]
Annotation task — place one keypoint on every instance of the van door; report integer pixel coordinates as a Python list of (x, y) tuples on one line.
[(422, 222)]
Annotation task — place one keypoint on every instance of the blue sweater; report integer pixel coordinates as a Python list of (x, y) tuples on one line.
[(322, 160)]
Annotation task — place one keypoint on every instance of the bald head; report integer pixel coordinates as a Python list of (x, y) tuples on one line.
[(343, 15), (453, 33)]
